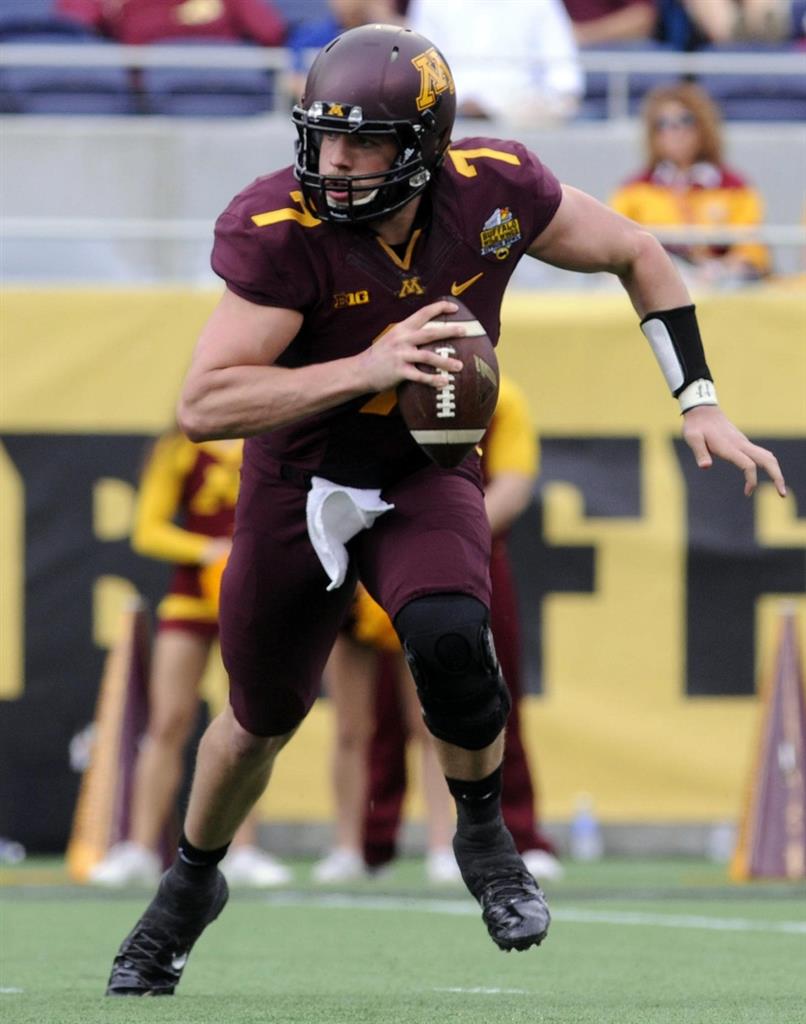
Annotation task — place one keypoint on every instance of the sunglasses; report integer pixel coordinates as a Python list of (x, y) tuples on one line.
[(662, 124)]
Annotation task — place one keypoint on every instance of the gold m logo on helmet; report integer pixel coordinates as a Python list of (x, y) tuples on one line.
[(336, 110), (435, 77)]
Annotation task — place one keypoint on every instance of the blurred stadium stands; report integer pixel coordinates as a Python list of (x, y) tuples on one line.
[(124, 197), (48, 65), (66, 70)]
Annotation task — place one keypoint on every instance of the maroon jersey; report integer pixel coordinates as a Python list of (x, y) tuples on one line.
[(487, 204)]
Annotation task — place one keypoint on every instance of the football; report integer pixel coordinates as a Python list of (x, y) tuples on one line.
[(449, 422)]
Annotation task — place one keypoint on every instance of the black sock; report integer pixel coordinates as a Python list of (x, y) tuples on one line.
[(191, 856), (477, 802)]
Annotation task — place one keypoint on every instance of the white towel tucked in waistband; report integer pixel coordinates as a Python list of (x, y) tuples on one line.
[(335, 514)]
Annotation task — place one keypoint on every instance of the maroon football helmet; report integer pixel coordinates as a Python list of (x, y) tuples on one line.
[(375, 80)]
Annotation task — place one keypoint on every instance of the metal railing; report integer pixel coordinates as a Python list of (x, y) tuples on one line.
[(200, 229), (618, 66)]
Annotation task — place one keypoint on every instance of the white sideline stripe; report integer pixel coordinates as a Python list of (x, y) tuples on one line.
[(695, 921), (447, 436), (572, 915), (486, 991), (10, 991)]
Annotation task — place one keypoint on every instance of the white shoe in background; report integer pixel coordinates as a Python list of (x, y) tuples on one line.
[(340, 865), (441, 867), (249, 865), (126, 863), (543, 865)]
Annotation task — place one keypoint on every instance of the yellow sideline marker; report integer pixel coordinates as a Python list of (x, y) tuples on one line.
[(101, 812)]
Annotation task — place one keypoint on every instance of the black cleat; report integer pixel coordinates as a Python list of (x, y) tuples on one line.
[(153, 955), (512, 904)]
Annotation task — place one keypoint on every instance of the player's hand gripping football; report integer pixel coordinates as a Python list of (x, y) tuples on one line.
[(708, 432), (394, 356)]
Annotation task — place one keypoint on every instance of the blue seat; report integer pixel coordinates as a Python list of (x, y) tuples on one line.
[(296, 12), (25, 11), (760, 108), (65, 90), (757, 96), (209, 92), (19, 18), (594, 103)]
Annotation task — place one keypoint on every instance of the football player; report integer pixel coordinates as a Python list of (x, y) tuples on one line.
[(332, 268), (185, 513)]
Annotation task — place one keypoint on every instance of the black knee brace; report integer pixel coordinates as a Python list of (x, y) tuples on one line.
[(449, 647)]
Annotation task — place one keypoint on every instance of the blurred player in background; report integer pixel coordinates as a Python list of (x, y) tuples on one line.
[(334, 269), (184, 515), (685, 182), (509, 465)]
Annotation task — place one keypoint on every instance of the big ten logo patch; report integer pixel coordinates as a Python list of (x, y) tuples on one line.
[(343, 299)]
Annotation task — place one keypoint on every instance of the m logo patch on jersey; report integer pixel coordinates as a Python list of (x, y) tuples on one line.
[(410, 286), (500, 232), (435, 77)]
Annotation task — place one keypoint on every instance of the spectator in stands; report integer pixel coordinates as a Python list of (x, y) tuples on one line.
[(512, 60), (153, 21), (602, 22), (686, 183), (312, 35), (732, 21)]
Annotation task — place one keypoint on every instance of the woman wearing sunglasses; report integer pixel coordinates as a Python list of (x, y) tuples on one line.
[(686, 183)]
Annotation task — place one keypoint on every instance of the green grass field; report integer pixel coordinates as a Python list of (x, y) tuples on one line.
[(633, 942)]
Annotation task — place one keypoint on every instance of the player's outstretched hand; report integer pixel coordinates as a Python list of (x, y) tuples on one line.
[(394, 355), (708, 432)]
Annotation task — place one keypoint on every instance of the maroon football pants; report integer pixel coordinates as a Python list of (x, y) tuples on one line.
[(278, 621), (387, 755)]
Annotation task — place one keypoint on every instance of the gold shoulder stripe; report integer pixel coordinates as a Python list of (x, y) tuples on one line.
[(303, 216)]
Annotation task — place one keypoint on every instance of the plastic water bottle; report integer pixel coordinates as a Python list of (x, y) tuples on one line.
[(11, 852), (585, 838)]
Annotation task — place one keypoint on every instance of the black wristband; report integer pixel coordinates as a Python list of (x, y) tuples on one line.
[(675, 339)]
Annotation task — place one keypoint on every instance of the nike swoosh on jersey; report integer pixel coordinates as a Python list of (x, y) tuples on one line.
[(457, 289)]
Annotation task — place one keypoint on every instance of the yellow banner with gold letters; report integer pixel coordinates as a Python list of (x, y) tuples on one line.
[(648, 649)]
